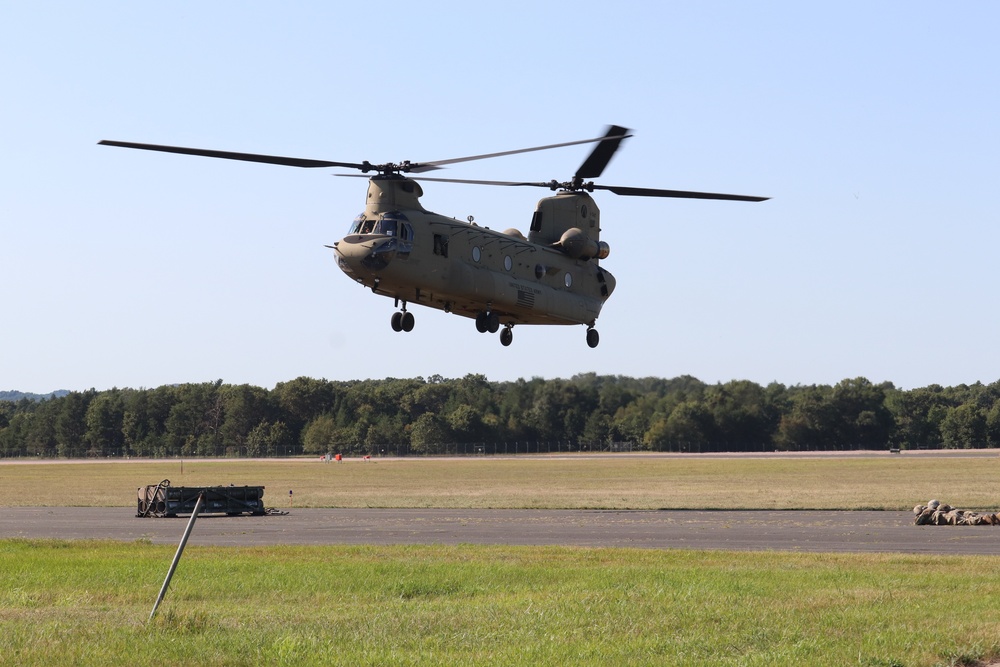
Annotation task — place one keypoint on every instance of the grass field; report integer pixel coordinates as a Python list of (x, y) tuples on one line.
[(86, 603), (627, 482)]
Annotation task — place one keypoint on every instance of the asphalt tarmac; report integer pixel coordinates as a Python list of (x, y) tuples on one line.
[(803, 531)]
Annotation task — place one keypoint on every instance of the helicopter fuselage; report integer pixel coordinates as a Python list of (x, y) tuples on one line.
[(400, 250)]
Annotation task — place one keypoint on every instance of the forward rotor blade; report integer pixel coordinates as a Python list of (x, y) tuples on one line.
[(474, 182), (425, 166), (246, 157), (682, 194), (596, 162)]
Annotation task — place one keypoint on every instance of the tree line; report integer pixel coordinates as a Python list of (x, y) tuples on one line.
[(436, 415)]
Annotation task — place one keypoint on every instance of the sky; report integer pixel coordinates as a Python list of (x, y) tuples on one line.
[(872, 126)]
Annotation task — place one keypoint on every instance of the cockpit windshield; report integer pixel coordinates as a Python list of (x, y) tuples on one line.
[(356, 225), (387, 225)]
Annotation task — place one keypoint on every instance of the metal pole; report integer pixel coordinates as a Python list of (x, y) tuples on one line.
[(177, 556)]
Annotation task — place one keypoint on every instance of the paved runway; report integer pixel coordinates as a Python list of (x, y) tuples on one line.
[(816, 531)]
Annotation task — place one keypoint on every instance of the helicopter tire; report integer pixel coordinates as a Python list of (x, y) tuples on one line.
[(506, 337), (397, 321), (493, 322), (593, 338), (407, 321), (482, 322)]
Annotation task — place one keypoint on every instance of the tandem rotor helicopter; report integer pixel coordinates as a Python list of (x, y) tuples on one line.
[(399, 249)]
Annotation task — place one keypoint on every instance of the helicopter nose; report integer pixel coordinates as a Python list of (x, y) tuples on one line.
[(379, 256), (364, 256)]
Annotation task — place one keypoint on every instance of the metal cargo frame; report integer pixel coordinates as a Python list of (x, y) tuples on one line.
[(163, 500)]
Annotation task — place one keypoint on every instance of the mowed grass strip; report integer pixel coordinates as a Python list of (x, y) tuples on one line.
[(87, 603), (625, 482)]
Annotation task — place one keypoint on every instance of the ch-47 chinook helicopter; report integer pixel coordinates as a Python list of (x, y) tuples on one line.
[(399, 249)]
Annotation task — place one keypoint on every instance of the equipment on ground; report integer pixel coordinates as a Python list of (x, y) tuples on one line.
[(163, 500)]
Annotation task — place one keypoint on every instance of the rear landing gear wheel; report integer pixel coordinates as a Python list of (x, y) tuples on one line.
[(506, 337), (593, 338)]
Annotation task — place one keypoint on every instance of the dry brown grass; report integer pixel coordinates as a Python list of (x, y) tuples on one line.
[(619, 482)]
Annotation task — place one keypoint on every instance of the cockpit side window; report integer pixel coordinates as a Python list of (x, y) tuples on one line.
[(386, 226), (392, 223)]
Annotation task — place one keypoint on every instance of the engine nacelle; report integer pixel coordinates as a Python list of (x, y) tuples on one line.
[(575, 243)]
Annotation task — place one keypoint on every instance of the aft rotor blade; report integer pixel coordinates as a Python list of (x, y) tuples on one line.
[(618, 190), (425, 166), (682, 194), (595, 163), (246, 157)]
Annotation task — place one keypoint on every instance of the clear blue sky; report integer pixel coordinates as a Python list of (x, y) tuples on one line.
[(874, 127)]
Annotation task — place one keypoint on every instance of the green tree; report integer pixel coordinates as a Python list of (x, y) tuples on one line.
[(244, 408), (918, 415), (320, 435), (192, 428), (429, 434), (809, 423), (465, 424), (104, 417), (860, 418), (268, 439), (744, 418), (690, 427), (596, 431), (303, 398), (71, 423), (964, 427)]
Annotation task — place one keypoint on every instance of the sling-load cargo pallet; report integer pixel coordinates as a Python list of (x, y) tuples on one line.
[(165, 500)]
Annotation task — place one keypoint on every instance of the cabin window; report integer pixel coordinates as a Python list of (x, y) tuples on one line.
[(568, 279), (441, 245), (477, 254), (508, 263)]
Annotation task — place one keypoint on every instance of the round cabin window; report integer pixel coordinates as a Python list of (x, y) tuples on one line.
[(477, 254), (569, 280), (508, 263)]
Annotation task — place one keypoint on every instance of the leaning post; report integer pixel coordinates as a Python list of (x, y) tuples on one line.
[(177, 556)]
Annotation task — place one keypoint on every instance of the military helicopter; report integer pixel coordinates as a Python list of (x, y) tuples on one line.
[(399, 249)]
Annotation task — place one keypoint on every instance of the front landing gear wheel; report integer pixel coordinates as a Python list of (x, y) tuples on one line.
[(402, 321), (593, 338), (506, 337)]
